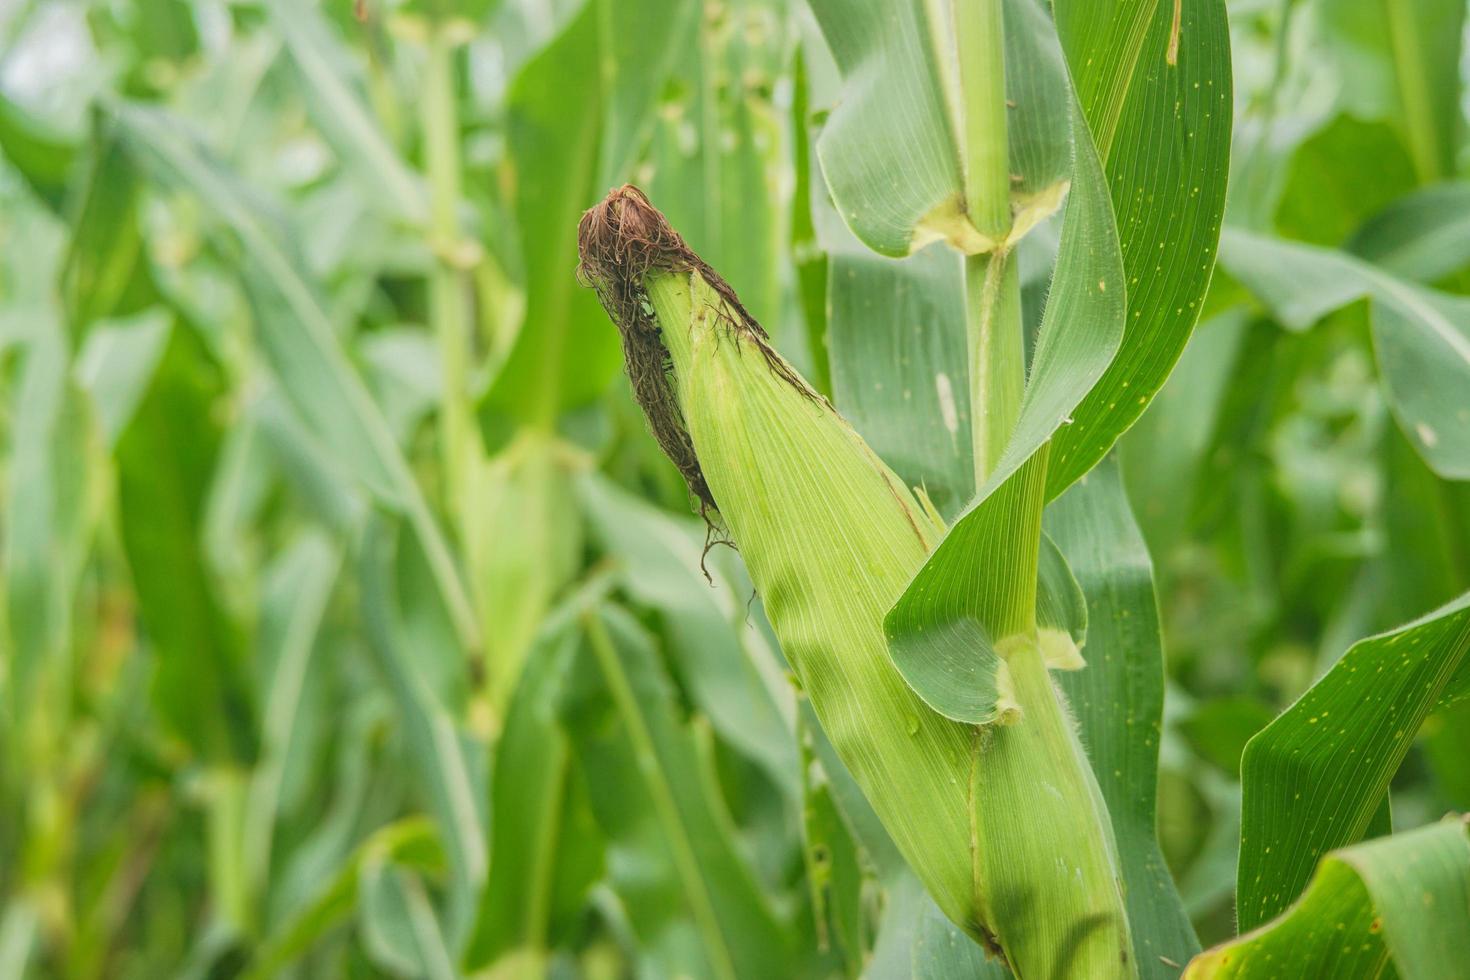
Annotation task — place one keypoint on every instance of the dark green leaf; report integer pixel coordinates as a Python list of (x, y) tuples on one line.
[(1118, 699), (1159, 105), (165, 461), (693, 902), (1396, 906), (1314, 777)]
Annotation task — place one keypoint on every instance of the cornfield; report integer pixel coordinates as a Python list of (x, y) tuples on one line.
[(930, 489)]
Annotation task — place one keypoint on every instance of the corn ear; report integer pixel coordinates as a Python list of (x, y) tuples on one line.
[(1000, 821)]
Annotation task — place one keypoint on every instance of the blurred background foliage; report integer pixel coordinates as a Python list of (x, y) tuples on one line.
[(353, 625)]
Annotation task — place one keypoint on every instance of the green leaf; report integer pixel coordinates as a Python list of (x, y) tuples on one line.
[(954, 666), (49, 511), (1445, 735), (1164, 456), (897, 335), (660, 566), (834, 869), (1426, 527), (1061, 606), (297, 588), (106, 271), (1118, 700), (565, 355), (441, 765), (1423, 236), (325, 81), (544, 851), (1338, 177), (1162, 129), (42, 156), (324, 487), (524, 539), (166, 460), (1397, 906), (942, 952), (917, 942), (409, 841), (693, 902), (717, 158), (643, 45), (1312, 780), (1080, 330), (293, 327), (398, 924), (18, 929), (1421, 337), (902, 112), (116, 364), (806, 249), (1218, 729)]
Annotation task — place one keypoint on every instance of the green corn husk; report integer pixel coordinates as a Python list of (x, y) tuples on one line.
[(1004, 824)]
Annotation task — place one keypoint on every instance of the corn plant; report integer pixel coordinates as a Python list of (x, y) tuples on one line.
[(922, 488)]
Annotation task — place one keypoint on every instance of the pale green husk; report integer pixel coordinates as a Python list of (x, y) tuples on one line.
[(1003, 823)]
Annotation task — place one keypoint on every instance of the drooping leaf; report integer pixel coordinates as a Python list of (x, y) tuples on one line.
[(409, 841), (1313, 779), (1422, 236), (1399, 904), (400, 930), (1421, 337)]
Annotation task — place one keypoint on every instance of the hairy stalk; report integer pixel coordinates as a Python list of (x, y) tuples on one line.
[(997, 354), (992, 286)]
